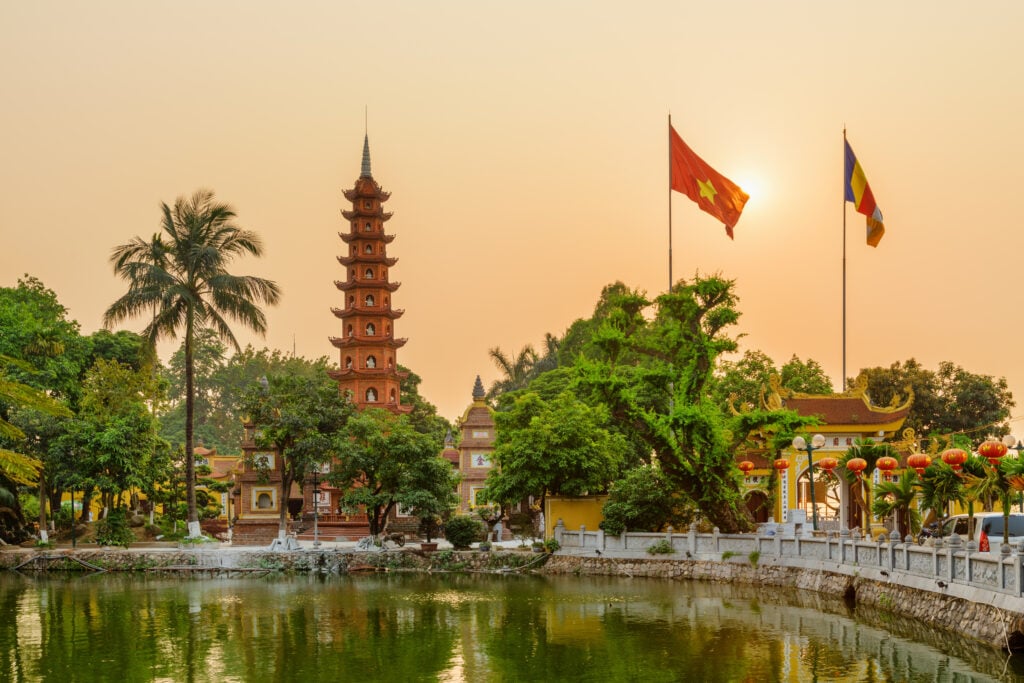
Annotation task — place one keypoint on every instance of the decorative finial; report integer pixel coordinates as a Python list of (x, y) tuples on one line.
[(478, 389), (365, 172)]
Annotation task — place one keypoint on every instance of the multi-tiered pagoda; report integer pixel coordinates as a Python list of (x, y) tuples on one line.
[(368, 370)]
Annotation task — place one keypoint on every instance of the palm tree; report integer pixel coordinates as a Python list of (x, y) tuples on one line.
[(898, 498), (517, 369), (180, 278)]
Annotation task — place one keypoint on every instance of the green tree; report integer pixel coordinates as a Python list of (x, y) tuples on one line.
[(948, 400), (642, 501), (384, 462), (114, 435), (180, 278), (557, 447), (303, 419), (743, 382), (655, 373), (423, 415)]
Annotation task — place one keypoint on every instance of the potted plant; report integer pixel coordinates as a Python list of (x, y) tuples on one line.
[(430, 525), (485, 546), (538, 546)]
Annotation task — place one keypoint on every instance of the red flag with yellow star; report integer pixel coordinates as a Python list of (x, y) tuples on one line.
[(713, 192)]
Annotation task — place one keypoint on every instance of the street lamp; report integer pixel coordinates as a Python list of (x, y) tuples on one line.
[(800, 444), (316, 508)]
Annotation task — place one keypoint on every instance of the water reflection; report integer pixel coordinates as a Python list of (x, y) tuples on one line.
[(415, 627)]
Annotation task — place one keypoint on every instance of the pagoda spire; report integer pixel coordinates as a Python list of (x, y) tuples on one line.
[(365, 171)]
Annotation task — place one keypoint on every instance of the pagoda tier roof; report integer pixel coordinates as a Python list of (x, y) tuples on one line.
[(346, 285), (349, 214), (357, 340), (851, 409), (347, 237), (367, 258), (389, 313), (366, 188), (367, 372)]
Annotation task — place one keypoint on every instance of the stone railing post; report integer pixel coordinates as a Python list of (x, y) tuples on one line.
[(559, 530), (908, 542), (844, 538), (955, 543), (692, 538), (855, 538), (668, 536), (714, 534)]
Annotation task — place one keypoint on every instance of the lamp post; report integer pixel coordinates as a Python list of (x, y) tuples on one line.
[(1011, 442), (316, 508), (800, 444)]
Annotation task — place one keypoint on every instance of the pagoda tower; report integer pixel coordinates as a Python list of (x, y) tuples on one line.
[(368, 370)]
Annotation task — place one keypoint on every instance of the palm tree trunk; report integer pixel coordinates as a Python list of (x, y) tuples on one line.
[(190, 460)]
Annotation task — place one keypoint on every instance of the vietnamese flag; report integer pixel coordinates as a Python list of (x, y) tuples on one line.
[(713, 192)]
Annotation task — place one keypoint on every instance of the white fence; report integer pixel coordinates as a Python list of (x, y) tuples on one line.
[(948, 560)]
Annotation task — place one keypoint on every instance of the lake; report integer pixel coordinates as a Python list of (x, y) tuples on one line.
[(459, 627)]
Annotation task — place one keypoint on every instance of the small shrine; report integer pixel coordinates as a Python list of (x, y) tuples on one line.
[(475, 448), (845, 418)]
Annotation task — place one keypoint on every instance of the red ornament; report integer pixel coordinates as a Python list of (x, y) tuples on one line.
[(746, 466), (992, 450), (919, 462), (887, 464), (954, 457), (781, 464), (856, 465), (828, 464)]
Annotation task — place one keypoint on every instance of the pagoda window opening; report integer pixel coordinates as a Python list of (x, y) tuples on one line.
[(370, 301), (348, 361), (392, 397), (371, 362), (368, 249), (350, 331), (367, 228), (384, 273), (351, 300), (371, 395), (369, 273), (391, 362), (370, 330), (352, 273), (366, 203), (387, 330)]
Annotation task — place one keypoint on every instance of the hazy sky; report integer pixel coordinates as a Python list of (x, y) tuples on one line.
[(525, 147)]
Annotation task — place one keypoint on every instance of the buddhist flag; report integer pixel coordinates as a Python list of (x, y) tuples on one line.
[(859, 192), (713, 192)]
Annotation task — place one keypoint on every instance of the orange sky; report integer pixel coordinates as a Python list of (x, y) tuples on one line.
[(525, 148)]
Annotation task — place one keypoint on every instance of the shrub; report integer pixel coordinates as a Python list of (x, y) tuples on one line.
[(114, 530), (552, 545), (662, 547), (643, 501), (462, 530)]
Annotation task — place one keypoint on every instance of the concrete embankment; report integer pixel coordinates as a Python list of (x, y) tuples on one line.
[(993, 625)]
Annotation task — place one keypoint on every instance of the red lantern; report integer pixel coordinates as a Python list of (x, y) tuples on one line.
[(919, 461), (781, 464), (746, 466), (992, 450), (954, 457), (887, 464), (828, 464), (856, 465)]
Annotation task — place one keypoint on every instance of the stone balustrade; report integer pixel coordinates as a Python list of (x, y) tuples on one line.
[(949, 562)]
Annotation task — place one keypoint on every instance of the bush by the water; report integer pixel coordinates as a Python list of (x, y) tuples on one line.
[(463, 530), (114, 530)]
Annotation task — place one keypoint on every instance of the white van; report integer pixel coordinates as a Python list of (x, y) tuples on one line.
[(989, 522)]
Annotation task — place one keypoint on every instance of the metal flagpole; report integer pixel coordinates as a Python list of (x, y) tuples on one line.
[(670, 202), (844, 259)]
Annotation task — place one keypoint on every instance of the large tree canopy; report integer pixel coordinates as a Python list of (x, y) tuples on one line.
[(741, 382), (557, 446), (655, 371), (950, 399)]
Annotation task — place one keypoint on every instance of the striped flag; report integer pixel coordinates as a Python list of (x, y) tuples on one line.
[(859, 193)]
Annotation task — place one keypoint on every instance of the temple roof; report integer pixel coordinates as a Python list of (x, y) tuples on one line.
[(850, 409), (361, 340), (367, 258), (390, 313)]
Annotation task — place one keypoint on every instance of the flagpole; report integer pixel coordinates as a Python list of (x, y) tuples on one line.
[(844, 259), (669, 140)]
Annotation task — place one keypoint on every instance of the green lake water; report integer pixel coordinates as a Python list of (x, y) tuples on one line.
[(453, 627)]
